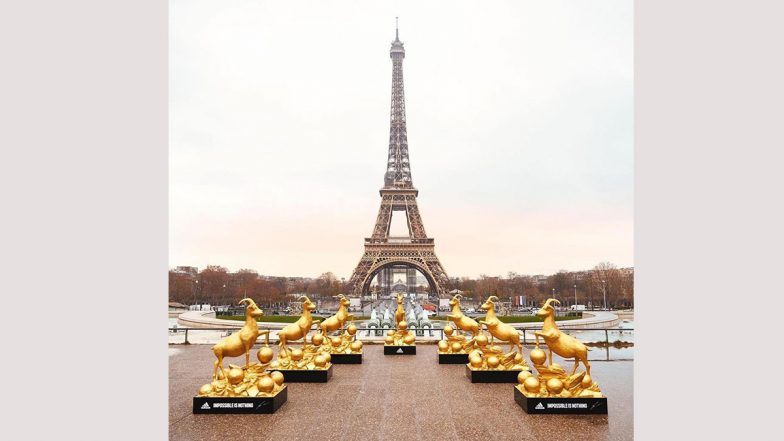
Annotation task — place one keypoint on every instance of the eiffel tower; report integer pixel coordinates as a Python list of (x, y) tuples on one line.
[(384, 253)]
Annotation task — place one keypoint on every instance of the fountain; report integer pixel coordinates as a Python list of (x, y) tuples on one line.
[(416, 317), (418, 321)]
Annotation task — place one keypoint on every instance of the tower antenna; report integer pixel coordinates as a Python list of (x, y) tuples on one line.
[(396, 35)]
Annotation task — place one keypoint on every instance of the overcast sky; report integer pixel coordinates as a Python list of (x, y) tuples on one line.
[(520, 131)]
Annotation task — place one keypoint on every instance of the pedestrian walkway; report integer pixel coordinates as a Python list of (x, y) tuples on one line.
[(395, 398)]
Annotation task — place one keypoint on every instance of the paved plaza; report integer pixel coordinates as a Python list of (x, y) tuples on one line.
[(395, 398)]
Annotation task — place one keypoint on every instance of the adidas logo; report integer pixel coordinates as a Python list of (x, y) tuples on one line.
[(206, 406), (538, 406), (399, 351)]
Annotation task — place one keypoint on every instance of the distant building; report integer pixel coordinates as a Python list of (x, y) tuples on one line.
[(176, 306), (187, 270), (581, 275)]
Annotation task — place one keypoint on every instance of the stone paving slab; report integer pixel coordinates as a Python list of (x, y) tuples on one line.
[(395, 398)]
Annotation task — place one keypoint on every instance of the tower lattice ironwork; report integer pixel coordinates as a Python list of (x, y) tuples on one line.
[(398, 195)]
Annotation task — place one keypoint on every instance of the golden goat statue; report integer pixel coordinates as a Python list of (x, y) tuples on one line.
[(399, 313), (499, 329), (337, 321), (300, 328), (462, 322), (564, 345), (241, 341)]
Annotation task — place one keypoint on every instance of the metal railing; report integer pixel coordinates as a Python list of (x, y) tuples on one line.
[(606, 344)]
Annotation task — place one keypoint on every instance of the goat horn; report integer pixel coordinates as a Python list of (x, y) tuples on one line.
[(247, 300), (304, 297), (490, 299), (547, 303), (458, 296)]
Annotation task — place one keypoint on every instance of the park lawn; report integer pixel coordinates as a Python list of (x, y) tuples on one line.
[(267, 318), (515, 318), (275, 318)]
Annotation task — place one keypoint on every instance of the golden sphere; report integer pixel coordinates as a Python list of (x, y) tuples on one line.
[(265, 384), (448, 330), (336, 341), (390, 333), (443, 346), (493, 362), (327, 356), (408, 339), (236, 375), (206, 389), (475, 352), (538, 356), (296, 354), (277, 377), (389, 340), (481, 340), (554, 386), (522, 376), (356, 346), (475, 360), (531, 384), (402, 325), (274, 365), (518, 358), (265, 354), (352, 329), (320, 361), (317, 339), (456, 346), (587, 381)]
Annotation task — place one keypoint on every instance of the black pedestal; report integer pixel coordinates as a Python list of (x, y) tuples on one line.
[(583, 406), (400, 350), (305, 375), (491, 376), (240, 404), (452, 358), (346, 358)]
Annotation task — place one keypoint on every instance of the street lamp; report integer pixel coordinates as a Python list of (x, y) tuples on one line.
[(195, 288), (575, 295), (604, 291)]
